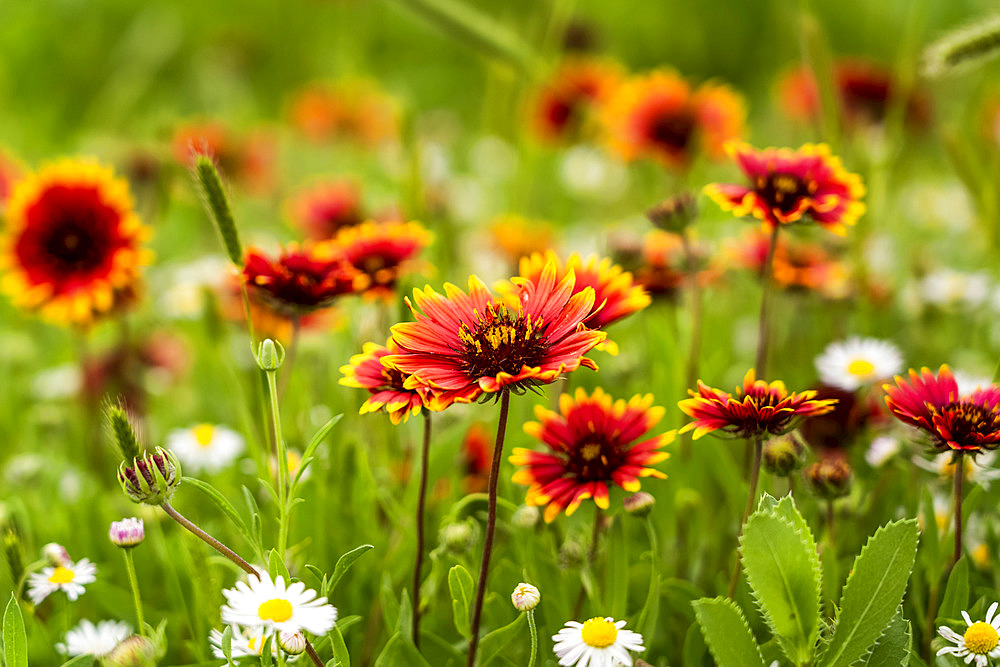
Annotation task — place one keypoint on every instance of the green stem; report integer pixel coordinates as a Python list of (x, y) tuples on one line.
[(534, 637), (133, 582), (208, 539), (491, 523), (767, 278), (279, 448), (959, 476), (421, 497), (758, 449)]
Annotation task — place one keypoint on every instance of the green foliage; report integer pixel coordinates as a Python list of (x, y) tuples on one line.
[(15, 641), (956, 593), (493, 644), (893, 645), (727, 634), (462, 589)]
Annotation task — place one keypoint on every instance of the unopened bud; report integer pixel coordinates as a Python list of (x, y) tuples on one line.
[(134, 651), (525, 516), (675, 213), (830, 477), (152, 479), (293, 643), (270, 355), (57, 555), (571, 555), (127, 533), (457, 537), (640, 504), (784, 454), (525, 597)]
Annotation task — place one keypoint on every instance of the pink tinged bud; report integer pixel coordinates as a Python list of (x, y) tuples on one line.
[(293, 643), (640, 504), (56, 554), (127, 533), (525, 597), (132, 652)]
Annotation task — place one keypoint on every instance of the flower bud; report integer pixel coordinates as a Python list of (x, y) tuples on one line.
[(127, 533), (56, 554), (525, 597), (270, 355), (135, 651), (571, 555), (830, 477), (525, 516), (675, 213), (151, 479), (458, 538), (640, 504), (784, 454), (293, 643)]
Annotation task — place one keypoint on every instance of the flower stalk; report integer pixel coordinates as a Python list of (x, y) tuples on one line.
[(421, 498), (208, 539), (133, 583), (758, 449), (957, 489)]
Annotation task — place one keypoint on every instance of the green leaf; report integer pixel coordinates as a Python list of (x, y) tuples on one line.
[(340, 652), (398, 651), (617, 570), (893, 647), (462, 588), (727, 633), (783, 569), (956, 593), (492, 645), (307, 455), (222, 503), (276, 567), (80, 661), (15, 641), (648, 616), (266, 658), (227, 645), (345, 562), (873, 592)]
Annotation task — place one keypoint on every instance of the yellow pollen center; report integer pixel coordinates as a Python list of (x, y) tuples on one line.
[(590, 451), (786, 184), (981, 638), (601, 633), (276, 610), (62, 575), (860, 367), (203, 434)]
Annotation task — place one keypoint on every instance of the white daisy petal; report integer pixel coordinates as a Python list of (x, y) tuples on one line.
[(599, 642)]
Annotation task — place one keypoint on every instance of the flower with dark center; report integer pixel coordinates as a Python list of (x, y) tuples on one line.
[(756, 409), (593, 441), (383, 251), (325, 208), (577, 89), (955, 422), (658, 115), (789, 186), (386, 385), (302, 279), (73, 244), (464, 345)]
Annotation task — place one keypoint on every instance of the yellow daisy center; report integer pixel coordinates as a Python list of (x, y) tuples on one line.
[(276, 610), (601, 632), (861, 367), (62, 575), (203, 434), (981, 638)]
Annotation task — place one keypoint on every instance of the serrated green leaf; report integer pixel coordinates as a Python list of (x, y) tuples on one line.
[(492, 645), (727, 633), (892, 647), (15, 640), (956, 593), (783, 569), (461, 585), (276, 567), (873, 592), (345, 562)]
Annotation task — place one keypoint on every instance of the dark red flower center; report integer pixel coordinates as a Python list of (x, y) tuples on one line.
[(970, 425), (501, 341), (594, 459), (673, 130), (394, 379), (783, 191)]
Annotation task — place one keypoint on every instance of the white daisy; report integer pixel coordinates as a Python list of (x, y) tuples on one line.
[(96, 640), (69, 578), (205, 447), (599, 642), (980, 641), (243, 644), (261, 604), (857, 362)]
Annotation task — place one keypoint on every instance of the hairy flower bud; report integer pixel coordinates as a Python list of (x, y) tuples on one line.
[(784, 454), (152, 479), (830, 477), (127, 533), (640, 504), (675, 213), (135, 651), (525, 516)]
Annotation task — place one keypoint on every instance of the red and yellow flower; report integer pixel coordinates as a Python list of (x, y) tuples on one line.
[(383, 251), (386, 385), (788, 186), (325, 208), (463, 345), (593, 441), (357, 110), (10, 171), (516, 236), (575, 91), (934, 405), (658, 115), (73, 244), (302, 279), (250, 160), (756, 409)]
